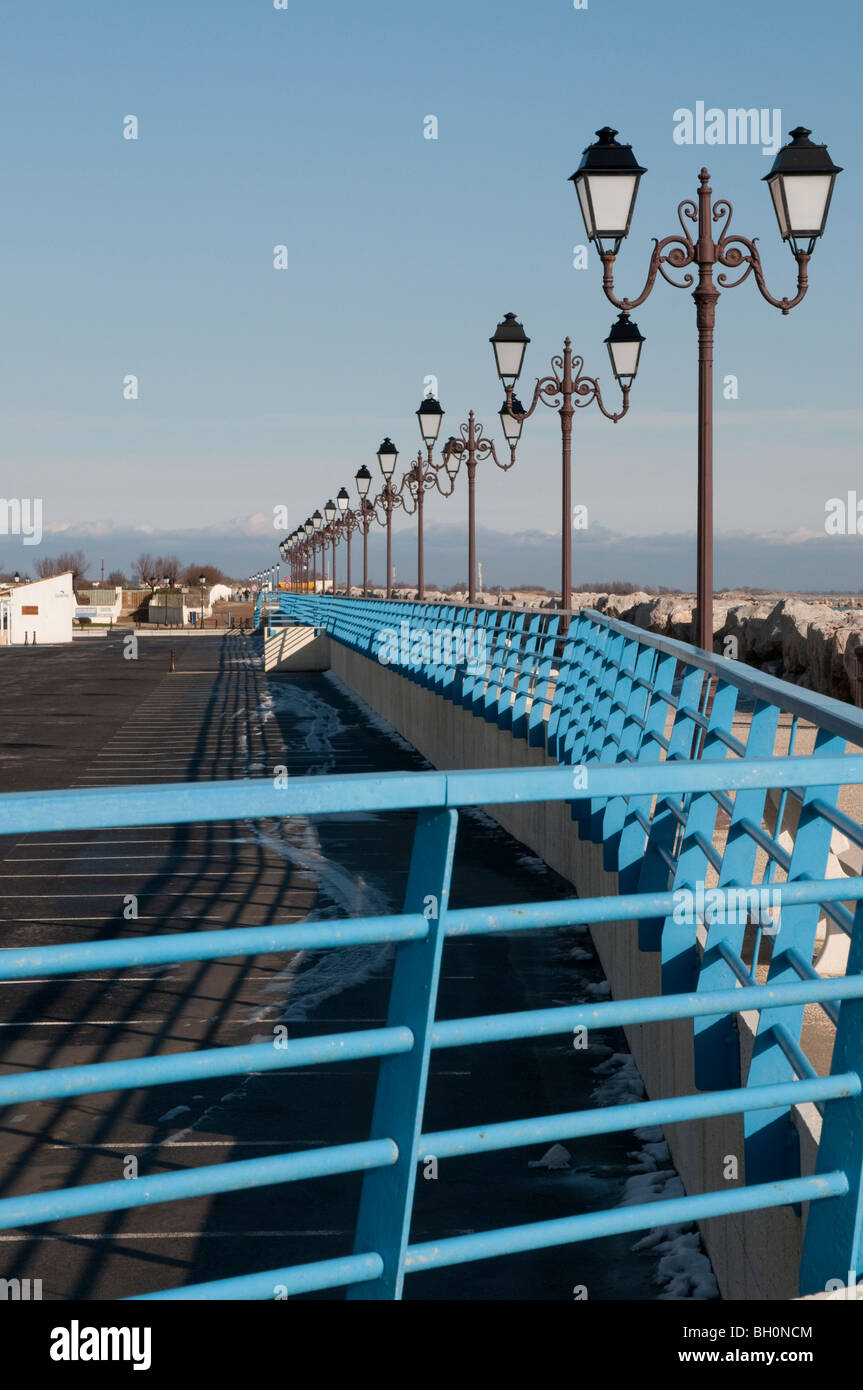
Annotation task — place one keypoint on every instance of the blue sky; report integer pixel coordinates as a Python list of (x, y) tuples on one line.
[(304, 127)]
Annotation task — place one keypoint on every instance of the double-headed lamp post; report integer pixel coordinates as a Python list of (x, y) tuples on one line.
[(387, 458), (801, 184), (363, 480), (319, 543), (565, 390), (475, 448), (330, 515), (348, 524), (309, 528), (425, 475)]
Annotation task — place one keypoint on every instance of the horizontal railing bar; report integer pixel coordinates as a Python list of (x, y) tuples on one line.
[(596, 1225), (19, 963), (247, 798), (293, 1279), (617, 1118), (536, 1023), (177, 803), (209, 1178), (194, 1066)]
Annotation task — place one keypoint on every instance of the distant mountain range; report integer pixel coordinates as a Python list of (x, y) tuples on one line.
[(802, 563)]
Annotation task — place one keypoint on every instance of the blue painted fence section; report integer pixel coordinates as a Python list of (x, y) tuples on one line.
[(648, 747)]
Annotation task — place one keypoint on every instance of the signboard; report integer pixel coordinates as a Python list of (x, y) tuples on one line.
[(254, 588), (103, 613)]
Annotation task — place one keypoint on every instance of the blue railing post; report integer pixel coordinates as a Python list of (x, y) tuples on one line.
[(772, 1146), (383, 1223), (833, 1245), (717, 1040), (679, 949), (657, 859)]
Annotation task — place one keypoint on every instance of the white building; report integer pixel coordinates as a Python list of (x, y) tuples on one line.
[(103, 605), (40, 612), (183, 608)]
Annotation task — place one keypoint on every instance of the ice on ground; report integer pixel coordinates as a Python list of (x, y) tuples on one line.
[(370, 716), (683, 1267), (683, 1270), (558, 1156), (621, 1082), (649, 1134), (600, 990)]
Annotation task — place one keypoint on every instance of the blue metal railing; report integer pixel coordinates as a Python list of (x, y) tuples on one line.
[(382, 1252), (658, 766)]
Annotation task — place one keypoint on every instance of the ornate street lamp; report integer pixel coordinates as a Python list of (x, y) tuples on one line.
[(565, 390), (387, 457), (430, 415), (624, 348), (512, 423), (330, 515), (348, 524), (423, 477), (389, 498), (801, 183), (475, 448), (309, 528), (510, 344), (363, 479), (606, 182)]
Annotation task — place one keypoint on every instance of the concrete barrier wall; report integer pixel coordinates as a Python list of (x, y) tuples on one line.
[(754, 1256), (295, 649)]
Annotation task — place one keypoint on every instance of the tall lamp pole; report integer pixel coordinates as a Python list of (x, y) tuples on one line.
[(318, 543), (565, 390), (330, 514), (801, 184), (420, 479), (363, 480), (348, 524), (477, 448), (389, 498), (309, 528), (429, 416)]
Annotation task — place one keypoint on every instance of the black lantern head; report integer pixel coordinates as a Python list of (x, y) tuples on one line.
[(606, 182)]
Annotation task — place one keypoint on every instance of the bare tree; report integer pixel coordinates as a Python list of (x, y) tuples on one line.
[(212, 574), (167, 567), (46, 567), (74, 560), (144, 568), (118, 577)]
